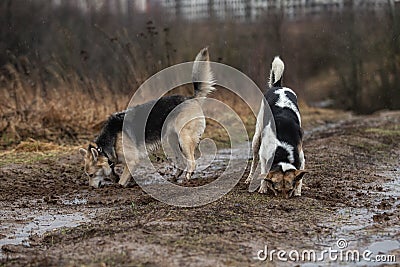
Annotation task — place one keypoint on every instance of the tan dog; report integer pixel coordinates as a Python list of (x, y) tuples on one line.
[(164, 122)]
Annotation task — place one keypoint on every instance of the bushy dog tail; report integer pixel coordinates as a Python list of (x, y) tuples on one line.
[(275, 76), (202, 76)]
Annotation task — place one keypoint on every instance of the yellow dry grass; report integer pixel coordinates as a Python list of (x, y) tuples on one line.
[(31, 121), (32, 145), (312, 117), (32, 150)]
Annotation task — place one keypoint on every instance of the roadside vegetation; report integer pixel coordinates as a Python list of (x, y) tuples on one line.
[(63, 71)]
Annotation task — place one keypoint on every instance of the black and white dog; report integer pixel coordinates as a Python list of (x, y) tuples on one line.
[(178, 119), (285, 148)]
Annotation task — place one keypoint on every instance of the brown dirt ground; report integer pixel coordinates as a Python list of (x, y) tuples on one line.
[(127, 227)]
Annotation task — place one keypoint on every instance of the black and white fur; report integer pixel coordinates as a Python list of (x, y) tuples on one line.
[(284, 148), (182, 130)]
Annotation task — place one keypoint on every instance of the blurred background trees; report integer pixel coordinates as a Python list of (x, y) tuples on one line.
[(63, 54)]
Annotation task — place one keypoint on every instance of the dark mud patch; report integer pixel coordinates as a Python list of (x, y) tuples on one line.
[(352, 181)]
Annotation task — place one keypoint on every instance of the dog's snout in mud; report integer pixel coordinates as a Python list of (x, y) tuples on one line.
[(96, 181)]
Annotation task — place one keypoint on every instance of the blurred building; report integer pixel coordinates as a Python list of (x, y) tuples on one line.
[(241, 10), (251, 10), (113, 6)]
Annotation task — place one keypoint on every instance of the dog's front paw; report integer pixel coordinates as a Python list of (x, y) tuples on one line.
[(297, 190), (263, 188), (249, 179), (188, 176), (297, 194), (123, 185), (124, 181), (177, 174)]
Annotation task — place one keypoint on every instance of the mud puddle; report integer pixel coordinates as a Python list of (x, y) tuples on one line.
[(209, 164), (367, 230), (75, 201), (323, 128), (39, 225)]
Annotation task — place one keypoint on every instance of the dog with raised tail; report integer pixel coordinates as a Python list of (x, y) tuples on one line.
[(283, 148), (177, 118)]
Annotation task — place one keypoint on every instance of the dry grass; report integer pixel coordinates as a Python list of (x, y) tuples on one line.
[(67, 115), (71, 72), (32, 145), (32, 150), (64, 115), (312, 117), (62, 88)]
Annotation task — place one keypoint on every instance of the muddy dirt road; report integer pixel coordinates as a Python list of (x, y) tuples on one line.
[(50, 217)]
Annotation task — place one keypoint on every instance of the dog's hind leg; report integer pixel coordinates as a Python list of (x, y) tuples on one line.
[(297, 190), (131, 158), (189, 137), (256, 144), (172, 149), (256, 148), (188, 144), (188, 152)]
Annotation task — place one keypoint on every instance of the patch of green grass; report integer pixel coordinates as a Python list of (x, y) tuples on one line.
[(387, 132), (31, 151), (25, 157), (118, 259), (372, 147), (7, 140)]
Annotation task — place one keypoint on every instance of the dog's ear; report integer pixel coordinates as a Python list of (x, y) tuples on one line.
[(95, 154), (267, 176), (271, 174), (83, 151), (299, 174), (266, 181)]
